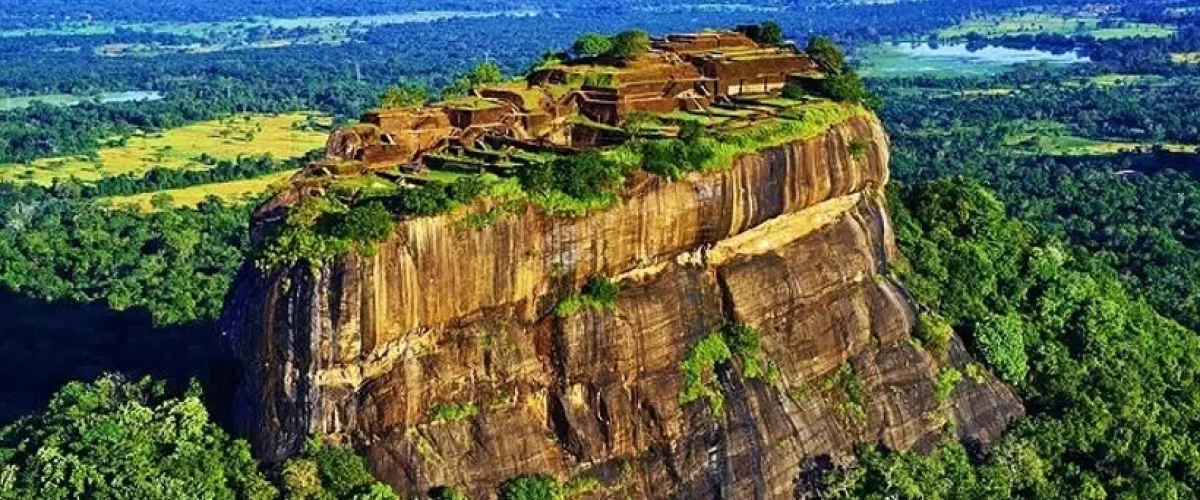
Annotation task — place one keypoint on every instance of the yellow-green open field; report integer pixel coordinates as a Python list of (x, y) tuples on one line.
[(1053, 138), (276, 135), (232, 191), (1023, 24), (1186, 58), (1070, 145), (1111, 79)]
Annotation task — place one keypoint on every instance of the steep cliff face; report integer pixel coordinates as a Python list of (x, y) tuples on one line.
[(793, 242)]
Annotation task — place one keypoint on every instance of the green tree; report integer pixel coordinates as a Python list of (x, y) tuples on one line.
[(826, 53), (371, 223), (587, 175), (484, 73), (592, 44), (1001, 340), (770, 33), (1108, 382), (664, 157), (846, 87), (629, 44), (403, 96), (162, 201), (326, 472), (118, 439)]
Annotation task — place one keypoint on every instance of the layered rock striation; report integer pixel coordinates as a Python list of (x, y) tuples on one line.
[(442, 358)]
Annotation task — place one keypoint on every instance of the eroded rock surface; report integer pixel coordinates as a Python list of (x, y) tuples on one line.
[(794, 242)]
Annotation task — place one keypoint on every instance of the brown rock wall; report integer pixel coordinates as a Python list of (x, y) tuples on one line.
[(793, 241)]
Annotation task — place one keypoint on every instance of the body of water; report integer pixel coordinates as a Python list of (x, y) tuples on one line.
[(908, 59), (8, 103)]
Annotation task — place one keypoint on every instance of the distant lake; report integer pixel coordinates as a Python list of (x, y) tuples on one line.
[(907, 59), (8, 103)]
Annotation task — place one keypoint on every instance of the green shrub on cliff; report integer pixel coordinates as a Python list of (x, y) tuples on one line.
[(853, 393), (948, 379), (482, 73), (579, 486), (858, 149), (453, 412), (326, 472), (321, 227), (573, 184), (846, 86), (745, 345), (732, 342), (934, 333), (531, 487), (672, 158), (699, 367), (793, 91), (599, 293), (770, 32)]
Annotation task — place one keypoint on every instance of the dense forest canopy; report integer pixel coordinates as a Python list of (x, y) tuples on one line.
[(41, 12)]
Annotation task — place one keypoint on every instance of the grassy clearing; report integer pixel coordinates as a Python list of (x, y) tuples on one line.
[(1050, 137), (1113, 79), (180, 148), (1029, 24), (965, 93), (986, 92), (1071, 145), (233, 191), (1186, 58)]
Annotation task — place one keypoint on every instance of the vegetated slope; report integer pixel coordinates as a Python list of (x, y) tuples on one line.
[(1111, 384), (697, 337)]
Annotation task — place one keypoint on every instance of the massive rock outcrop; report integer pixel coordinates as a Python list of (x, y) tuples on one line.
[(793, 241)]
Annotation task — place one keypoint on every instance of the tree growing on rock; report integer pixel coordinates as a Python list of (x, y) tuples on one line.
[(592, 44), (403, 96), (769, 32), (826, 53), (629, 44), (481, 74)]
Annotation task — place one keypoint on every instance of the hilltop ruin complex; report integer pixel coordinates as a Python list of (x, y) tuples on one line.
[(461, 341), (565, 106)]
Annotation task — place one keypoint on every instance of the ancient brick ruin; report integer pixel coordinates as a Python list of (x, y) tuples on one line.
[(716, 76)]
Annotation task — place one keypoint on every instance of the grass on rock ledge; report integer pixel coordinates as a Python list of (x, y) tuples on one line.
[(350, 218)]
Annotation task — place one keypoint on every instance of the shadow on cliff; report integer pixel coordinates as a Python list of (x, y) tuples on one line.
[(45, 345)]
